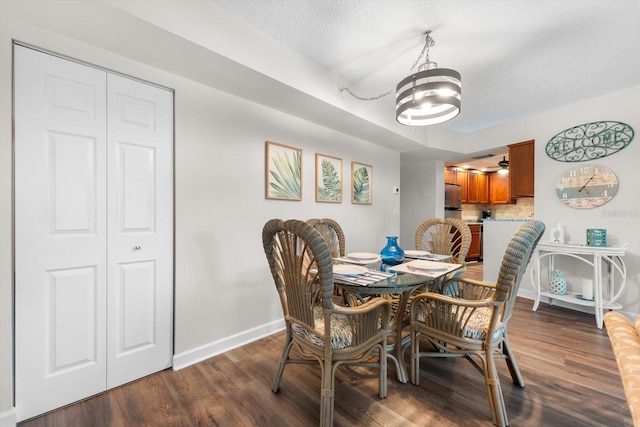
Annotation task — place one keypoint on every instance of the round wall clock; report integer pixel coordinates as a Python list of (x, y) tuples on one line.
[(587, 186)]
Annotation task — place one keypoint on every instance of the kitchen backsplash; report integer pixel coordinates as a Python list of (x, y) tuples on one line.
[(523, 209)]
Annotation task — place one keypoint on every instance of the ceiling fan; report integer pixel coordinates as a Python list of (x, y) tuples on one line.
[(502, 167)]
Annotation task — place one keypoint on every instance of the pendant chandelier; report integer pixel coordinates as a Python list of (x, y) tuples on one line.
[(428, 97)]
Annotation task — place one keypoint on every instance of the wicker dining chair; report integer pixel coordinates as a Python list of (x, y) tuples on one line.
[(469, 319), (320, 331), (444, 236), (332, 233)]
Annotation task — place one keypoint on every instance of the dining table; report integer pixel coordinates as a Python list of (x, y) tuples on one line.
[(372, 279)]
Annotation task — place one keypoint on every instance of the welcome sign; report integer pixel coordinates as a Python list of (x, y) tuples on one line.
[(589, 141)]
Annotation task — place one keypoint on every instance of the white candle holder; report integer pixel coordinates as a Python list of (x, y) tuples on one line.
[(587, 289)]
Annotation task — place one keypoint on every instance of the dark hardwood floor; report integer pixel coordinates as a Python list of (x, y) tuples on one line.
[(567, 363)]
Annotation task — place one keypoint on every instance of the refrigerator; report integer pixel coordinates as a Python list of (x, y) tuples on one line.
[(452, 201)]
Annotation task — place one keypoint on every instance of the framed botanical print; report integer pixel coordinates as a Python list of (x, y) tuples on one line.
[(283, 179), (328, 178), (361, 183)]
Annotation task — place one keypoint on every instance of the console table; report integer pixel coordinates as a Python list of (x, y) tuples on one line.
[(605, 294)]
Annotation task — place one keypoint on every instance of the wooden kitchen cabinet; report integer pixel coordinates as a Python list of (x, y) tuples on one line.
[(477, 188), (450, 176), (458, 176), (475, 250), (499, 189), (461, 180), (521, 169)]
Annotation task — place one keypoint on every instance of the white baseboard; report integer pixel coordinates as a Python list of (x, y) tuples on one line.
[(8, 418), (190, 357)]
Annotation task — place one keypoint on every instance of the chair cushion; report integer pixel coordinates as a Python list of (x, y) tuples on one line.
[(341, 331), (477, 326)]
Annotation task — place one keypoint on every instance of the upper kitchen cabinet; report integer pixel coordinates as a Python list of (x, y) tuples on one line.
[(450, 176), (461, 180), (521, 169), (458, 176), (477, 187), (499, 189)]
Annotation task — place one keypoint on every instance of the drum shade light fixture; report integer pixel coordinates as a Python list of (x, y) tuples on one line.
[(430, 96)]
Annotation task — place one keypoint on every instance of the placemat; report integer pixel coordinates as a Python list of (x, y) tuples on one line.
[(365, 279)]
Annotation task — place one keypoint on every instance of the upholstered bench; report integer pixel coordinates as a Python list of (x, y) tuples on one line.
[(625, 340)]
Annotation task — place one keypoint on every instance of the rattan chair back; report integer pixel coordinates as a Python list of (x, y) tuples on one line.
[(514, 263), (332, 233), (301, 266), (445, 236)]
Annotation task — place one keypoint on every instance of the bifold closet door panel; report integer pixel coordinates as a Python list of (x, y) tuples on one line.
[(93, 230), (140, 224), (60, 231)]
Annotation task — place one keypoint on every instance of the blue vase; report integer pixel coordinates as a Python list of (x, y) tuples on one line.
[(392, 254)]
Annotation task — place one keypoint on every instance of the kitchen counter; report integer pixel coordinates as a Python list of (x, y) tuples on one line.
[(485, 220)]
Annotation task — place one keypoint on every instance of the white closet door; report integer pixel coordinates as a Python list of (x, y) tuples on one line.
[(60, 225), (140, 224), (94, 231)]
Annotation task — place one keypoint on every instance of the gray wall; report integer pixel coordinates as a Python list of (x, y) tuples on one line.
[(422, 190), (224, 294)]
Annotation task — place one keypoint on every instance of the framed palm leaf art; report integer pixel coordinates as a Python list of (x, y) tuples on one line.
[(361, 183), (328, 178), (283, 172)]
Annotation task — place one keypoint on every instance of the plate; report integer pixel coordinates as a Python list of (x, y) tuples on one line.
[(362, 256), (349, 270), (427, 266), (412, 253)]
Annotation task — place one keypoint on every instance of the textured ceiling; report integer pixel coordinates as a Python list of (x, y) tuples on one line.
[(516, 58)]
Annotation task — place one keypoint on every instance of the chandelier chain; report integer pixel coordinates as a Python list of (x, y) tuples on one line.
[(427, 44), (361, 98)]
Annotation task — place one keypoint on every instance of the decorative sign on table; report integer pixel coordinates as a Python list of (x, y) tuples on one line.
[(597, 237), (589, 141)]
